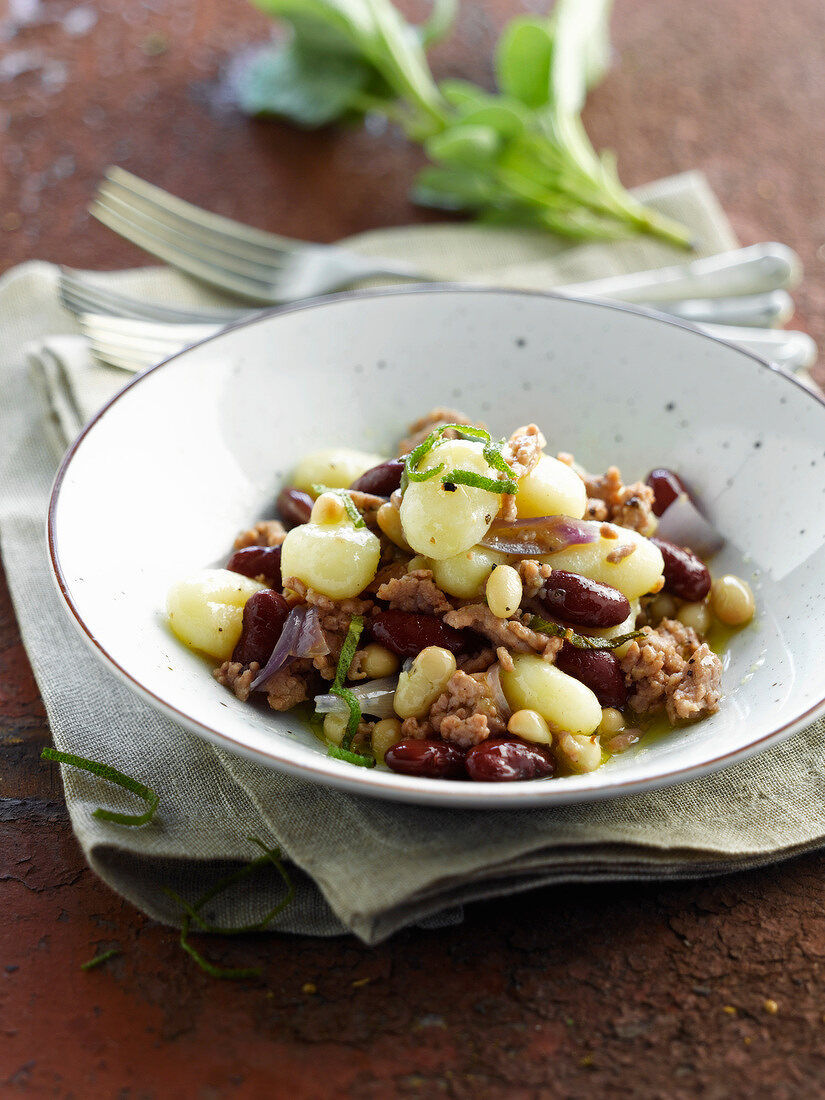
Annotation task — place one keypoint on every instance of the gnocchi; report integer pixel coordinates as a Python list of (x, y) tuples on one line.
[(205, 610), (334, 557), (551, 489), (465, 575), (564, 703), (620, 557), (442, 520), (335, 467)]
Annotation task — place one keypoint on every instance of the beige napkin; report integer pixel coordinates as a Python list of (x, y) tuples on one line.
[(360, 865)]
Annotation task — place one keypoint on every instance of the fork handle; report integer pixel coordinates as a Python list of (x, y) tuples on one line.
[(753, 270)]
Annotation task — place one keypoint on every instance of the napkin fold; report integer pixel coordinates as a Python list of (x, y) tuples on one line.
[(359, 865)]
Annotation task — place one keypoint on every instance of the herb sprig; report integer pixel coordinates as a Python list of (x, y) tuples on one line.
[(105, 771), (518, 155)]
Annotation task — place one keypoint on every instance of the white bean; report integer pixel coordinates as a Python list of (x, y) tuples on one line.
[(530, 726), (427, 678), (385, 734), (504, 591), (465, 574)]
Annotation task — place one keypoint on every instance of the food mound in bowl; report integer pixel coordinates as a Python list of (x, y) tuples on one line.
[(472, 609)]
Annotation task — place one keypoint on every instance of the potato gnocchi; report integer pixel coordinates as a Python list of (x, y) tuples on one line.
[(474, 609)]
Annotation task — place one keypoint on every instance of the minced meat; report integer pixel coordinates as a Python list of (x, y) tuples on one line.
[(670, 667), (416, 592), (511, 633), (269, 532), (625, 505)]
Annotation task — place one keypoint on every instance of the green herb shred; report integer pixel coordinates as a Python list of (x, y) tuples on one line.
[(492, 456), (358, 758), (344, 661), (192, 915), (104, 771), (99, 960), (580, 641)]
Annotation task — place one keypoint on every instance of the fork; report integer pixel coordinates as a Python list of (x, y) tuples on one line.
[(254, 265)]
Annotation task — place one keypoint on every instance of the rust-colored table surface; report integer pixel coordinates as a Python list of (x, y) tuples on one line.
[(710, 989)]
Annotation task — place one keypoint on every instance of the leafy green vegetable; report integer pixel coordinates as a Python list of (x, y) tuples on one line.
[(517, 156), (580, 641), (104, 771)]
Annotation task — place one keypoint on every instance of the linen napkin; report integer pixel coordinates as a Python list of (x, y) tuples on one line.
[(359, 865)]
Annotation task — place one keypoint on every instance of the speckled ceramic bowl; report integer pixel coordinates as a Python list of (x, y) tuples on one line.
[(194, 449)]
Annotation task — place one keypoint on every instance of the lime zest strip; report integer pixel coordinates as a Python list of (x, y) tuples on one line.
[(99, 960), (112, 775), (478, 481), (357, 758), (348, 649), (492, 456)]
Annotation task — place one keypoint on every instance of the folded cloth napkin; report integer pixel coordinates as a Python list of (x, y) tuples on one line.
[(359, 865)]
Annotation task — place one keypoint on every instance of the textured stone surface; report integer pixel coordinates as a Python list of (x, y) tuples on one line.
[(671, 991)]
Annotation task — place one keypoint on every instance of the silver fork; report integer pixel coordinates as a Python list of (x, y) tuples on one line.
[(249, 263)]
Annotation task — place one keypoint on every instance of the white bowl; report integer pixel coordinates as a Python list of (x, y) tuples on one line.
[(193, 450)]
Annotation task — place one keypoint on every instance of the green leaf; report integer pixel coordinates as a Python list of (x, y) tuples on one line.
[(462, 93), (309, 88), (523, 60), (453, 189), (507, 119), (464, 145)]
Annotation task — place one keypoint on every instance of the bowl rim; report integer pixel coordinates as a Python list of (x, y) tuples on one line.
[(437, 792)]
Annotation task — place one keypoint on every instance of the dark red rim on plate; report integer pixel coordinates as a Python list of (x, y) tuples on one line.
[(334, 773)]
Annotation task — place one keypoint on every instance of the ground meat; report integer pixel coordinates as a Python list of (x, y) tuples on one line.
[(416, 592), (670, 667), (625, 505), (290, 685), (420, 429), (477, 662), (533, 575), (505, 659), (389, 572), (269, 532), (511, 633), (466, 712), (237, 677), (621, 552)]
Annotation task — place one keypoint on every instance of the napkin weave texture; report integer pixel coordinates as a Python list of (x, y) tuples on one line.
[(360, 865)]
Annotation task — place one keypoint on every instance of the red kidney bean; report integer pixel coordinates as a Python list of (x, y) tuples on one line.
[(581, 601), (264, 616), (500, 761), (598, 669), (294, 506), (406, 634), (430, 759), (257, 561), (686, 576), (381, 480), (666, 486)]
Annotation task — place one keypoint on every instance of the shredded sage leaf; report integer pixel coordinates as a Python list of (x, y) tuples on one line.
[(271, 856), (104, 771), (580, 641), (346, 499), (356, 626), (99, 960), (478, 481), (360, 759)]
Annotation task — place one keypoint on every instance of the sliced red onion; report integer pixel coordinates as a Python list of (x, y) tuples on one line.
[(374, 697), (301, 637), (541, 535), (684, 525), (493, 678)]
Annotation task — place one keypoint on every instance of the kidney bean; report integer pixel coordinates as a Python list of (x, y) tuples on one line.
[(257, 561), (686, 576), (381, 480), (430, 759), (598, 669), (406, 634), (264, 615), (666, 486), (500, 761), (582, 601), (294, 507)]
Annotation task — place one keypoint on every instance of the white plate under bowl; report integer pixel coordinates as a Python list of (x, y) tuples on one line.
[(197, 448)]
